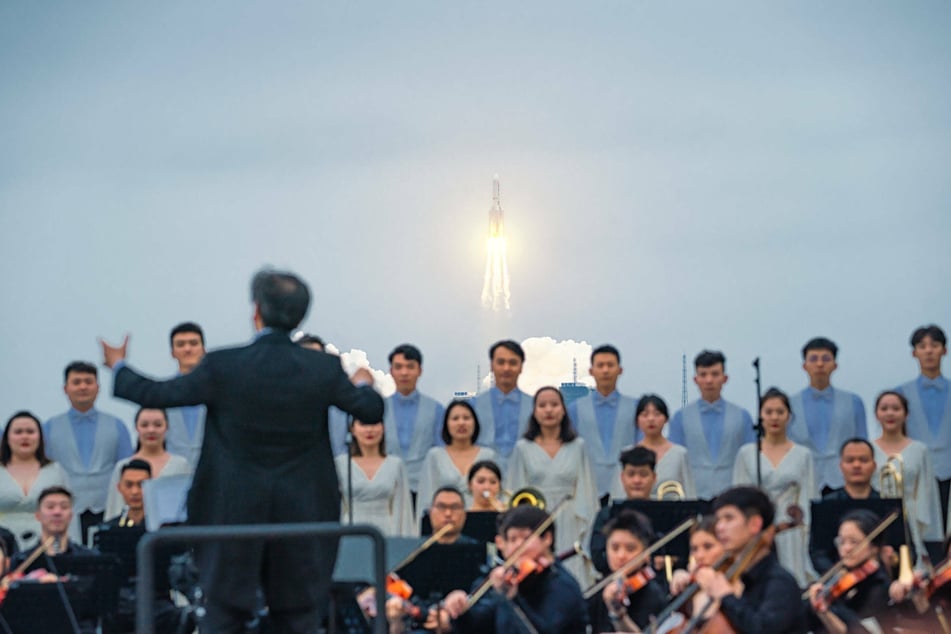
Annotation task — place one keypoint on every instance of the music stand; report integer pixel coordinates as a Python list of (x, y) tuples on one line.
[(824, 527), (666, 515), (38, 607), (443, 568), (480, 525), (121, 542)]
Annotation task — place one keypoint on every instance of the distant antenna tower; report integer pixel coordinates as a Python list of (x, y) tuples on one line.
[(683, 385), (478, 378), (574, 370)]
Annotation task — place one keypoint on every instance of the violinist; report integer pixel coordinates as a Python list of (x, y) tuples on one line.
[(537, 591), (764, 596), (626, 606), (55, 514), (923, 605), (705, 550), (850, 600)]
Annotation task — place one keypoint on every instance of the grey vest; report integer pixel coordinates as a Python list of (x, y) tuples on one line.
[(939, 445), (482, 404), (604, 460), (841, 428), (713, 477), (89, 485), (421, 441), (177, 440)]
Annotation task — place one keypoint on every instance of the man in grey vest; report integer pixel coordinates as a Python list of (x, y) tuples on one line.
[(929, 408), (411, 420), (186, 425), (503, 409), (711, 428), (87, 443), (824, 417), (604, 418)]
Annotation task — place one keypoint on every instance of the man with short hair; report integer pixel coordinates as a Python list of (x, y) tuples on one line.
[(186, 425), (766, 596), (87, 443), (636, 480), (604, 418), (411, 420), (265, 458), (131, 477), (449, 508), (711, 428), (929, 408), (857, 465), (54, 512), (503, 409), (823, 416)]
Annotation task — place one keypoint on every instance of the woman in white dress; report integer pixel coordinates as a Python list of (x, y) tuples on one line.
[(449, 465), (651, 416), (922, 506), (151, 425), (380, 489), (789, 480), (551, 458), (25, 473)]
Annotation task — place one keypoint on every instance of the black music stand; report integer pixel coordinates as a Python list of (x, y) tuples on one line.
[(443, 568), (666, 515), (480, 525), (31, 607), (121, 542), (824, 527)]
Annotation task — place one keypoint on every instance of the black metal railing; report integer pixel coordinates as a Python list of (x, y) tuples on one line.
[(145, 589)]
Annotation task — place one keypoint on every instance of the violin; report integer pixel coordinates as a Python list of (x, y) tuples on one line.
[(842, 583), (18, 574)]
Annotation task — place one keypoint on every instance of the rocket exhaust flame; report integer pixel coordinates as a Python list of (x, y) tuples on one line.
[(495, 287)]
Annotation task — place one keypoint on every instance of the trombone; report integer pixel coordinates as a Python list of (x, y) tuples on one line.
[(674, 491), (891, 484)]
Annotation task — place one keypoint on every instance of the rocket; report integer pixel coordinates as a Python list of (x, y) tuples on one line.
[(496, 225)]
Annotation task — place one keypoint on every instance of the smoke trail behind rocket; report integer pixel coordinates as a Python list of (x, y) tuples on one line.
[(495, 287)]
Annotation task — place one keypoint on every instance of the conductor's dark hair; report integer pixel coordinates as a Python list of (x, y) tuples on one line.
[(446, 438), (54, 490), (508, 344), (651, 399), (635, 523), (606, 349), (750, 500), (449, 489), (820, 343), (566, 433), (136, 464), (866, 521), (409, 352), (856, 441), (638, 456), (709, 358), (80, 367), (775, 392), (484, 464), (524, 516), (282, 298), (6, 452), (305, 339), (931, 330), (186, 327)]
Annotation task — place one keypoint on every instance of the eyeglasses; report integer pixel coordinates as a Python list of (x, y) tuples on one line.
[(815, 358), (442, 508)]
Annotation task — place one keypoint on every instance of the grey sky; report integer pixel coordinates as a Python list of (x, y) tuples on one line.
[(675, 176)]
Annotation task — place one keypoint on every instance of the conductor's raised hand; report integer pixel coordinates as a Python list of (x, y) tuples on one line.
[(111, 355)]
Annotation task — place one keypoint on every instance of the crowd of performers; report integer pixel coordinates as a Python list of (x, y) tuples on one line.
[(750, 560)]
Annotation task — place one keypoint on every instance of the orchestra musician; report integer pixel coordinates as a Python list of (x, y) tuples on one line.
[(549, 599), (850, 601), (626, 606), (485, 485), (705, 550), (765, 596)]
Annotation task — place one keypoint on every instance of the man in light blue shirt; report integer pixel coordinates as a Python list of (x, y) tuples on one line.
[(711, 428), (411, 420), (604, 418), (186, 425), (87, 443), (824, 417), (503, 409), (929, 408)]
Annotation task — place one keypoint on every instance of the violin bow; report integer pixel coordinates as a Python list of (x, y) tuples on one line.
[(419, 550)]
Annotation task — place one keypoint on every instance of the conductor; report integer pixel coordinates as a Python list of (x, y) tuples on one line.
[(266, 457)]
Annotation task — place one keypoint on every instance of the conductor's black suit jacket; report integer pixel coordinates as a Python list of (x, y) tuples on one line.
[(265, 457)]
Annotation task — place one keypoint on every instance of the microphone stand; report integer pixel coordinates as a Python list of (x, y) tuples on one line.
[(350, 442), (758, 427)]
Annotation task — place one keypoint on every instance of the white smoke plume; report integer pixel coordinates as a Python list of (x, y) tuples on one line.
[(551, 362), (354, 359)]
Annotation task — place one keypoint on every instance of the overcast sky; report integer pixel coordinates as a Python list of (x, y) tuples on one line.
[(731, 175)]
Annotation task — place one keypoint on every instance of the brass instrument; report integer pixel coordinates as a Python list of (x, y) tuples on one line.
[(670, 488), (891, 484), (528, 495)]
